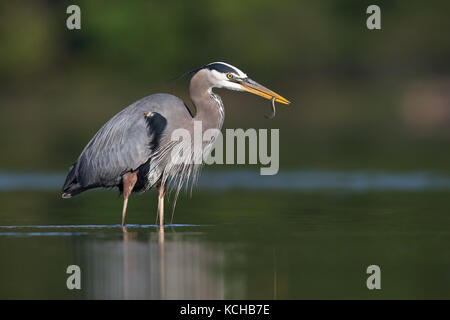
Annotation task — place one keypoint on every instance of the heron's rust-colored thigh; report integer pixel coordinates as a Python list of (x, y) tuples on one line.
[(128, 180)]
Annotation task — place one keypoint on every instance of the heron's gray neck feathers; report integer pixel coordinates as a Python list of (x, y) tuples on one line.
[(220, 107), (209, 106)]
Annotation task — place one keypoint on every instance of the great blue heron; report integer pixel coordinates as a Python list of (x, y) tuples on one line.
[(132, 151)]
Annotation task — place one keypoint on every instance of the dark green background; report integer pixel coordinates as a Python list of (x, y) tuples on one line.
[(361, 100)]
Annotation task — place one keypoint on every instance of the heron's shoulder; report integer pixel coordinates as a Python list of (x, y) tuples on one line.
[(159, 102), (162, 99)]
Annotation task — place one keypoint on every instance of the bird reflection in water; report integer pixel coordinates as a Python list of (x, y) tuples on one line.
[(157, 265)]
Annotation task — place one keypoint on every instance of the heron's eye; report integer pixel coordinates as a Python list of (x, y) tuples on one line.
[(229, 76)]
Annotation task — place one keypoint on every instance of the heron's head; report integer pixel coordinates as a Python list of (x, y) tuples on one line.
[(224, 75)]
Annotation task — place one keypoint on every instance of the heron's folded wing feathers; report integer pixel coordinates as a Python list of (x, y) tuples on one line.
[(123, 144)]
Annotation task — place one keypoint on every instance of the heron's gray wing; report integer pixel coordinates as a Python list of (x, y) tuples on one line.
[(123, 144)]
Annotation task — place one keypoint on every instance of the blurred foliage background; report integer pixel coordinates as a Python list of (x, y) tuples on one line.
[(362, 99)]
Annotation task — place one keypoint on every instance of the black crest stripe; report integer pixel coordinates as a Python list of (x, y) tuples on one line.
[(220, 67)]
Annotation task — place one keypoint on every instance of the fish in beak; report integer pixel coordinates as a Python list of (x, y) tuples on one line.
[(254, 87)]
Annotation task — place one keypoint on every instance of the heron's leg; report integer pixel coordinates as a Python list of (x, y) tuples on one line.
[(128, 181), (161, 192)]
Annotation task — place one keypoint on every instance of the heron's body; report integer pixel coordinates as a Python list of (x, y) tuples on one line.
[(110, 154), (132, 150)]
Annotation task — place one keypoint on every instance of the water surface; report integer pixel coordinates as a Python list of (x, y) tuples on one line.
[(233, 242)]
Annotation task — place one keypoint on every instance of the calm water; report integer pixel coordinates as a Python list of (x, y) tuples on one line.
[(307, 235)]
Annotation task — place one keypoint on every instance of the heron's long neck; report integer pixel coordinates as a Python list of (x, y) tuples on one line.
[(209, 106)]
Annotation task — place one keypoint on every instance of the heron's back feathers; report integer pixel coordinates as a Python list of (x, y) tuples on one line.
[(125, 143)]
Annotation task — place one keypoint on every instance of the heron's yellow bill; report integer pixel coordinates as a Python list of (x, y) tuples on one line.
[(253, 87)]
